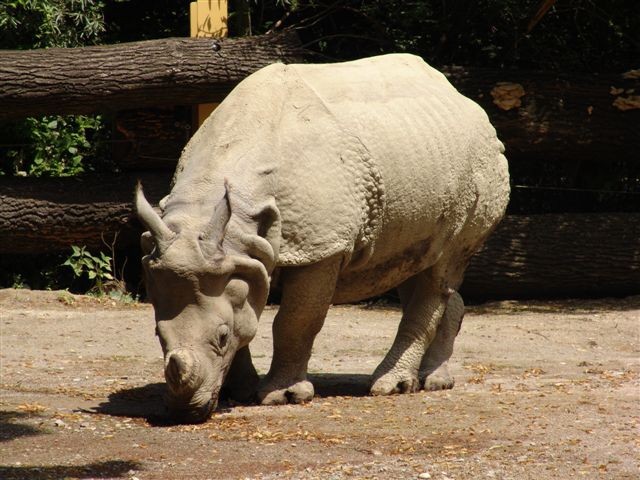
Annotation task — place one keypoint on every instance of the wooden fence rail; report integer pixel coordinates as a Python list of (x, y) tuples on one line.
[(151, 73)]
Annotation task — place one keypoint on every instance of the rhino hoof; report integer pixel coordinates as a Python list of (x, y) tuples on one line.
[(386, 385), (300, 392), (432, 383), (438, 379)]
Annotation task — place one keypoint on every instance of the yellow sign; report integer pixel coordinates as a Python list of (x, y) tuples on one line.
[(208, 19)]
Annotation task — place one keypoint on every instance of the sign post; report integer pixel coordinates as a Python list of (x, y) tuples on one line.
[(208, 19)]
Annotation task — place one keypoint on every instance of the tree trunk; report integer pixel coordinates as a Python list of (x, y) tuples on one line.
[(558, 255), (49, 215), (152, 73)]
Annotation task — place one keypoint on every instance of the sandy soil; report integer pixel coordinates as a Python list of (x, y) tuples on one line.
[(545, 390)]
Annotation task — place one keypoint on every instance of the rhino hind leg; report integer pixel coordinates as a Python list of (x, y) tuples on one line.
[(434, 372), (306, 295), (423, 305)]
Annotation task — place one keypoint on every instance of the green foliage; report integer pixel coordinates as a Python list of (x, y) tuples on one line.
[(50, 23), (97, 268), (18, 281), (57, 145), (121, 296), (53, 145), (581, 35)]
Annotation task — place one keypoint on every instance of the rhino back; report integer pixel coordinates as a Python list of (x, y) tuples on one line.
[(374, 159), (426, 165)]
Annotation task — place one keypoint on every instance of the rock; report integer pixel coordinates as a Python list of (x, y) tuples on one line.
[(424, 475)]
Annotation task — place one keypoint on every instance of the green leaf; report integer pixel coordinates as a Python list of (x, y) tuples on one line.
[(87, 262), (52, 124)]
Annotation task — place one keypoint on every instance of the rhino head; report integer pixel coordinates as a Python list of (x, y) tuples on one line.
[(207, 294)]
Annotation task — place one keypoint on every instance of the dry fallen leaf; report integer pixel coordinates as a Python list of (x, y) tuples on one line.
[(31, 408), (533, 372)]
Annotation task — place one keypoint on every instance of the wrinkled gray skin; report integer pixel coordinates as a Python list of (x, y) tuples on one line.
[(332, 183)]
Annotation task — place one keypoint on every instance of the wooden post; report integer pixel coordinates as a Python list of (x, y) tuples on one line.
[(208, 19)]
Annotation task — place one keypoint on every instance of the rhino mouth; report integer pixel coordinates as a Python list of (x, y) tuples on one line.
[(193, 414), (197, 409)]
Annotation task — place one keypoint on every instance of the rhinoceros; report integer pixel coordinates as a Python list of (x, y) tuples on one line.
[(333, 183)]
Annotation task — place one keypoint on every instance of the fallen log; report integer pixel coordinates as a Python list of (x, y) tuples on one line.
[(558, 255), (39, 215), (151, 73), (527, 256), (558, 116)]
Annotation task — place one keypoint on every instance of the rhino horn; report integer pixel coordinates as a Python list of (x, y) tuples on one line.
[(150, 218), (181, 371)]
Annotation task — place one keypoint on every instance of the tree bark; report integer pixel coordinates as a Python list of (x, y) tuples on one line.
[(49, 215), (152, 73), (527, 256), (558, 255)]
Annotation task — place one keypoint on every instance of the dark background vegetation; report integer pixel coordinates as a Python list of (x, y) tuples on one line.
[(580, 37)]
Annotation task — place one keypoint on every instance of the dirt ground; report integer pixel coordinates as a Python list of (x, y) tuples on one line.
[(545, 390)]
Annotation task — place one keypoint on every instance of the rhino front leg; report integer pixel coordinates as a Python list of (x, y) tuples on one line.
[(242, 380), (306, 295), (423, 305), (434, 371)]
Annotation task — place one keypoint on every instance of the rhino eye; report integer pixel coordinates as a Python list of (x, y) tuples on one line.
[(223, 335)]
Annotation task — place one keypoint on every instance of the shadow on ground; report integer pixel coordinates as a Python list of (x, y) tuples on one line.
[(558, 307), (147, 401), (10, 429), (340, 384), (110, 469)]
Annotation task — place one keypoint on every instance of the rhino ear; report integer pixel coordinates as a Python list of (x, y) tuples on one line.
[(265, 244), (215, 230), (258, 239)]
